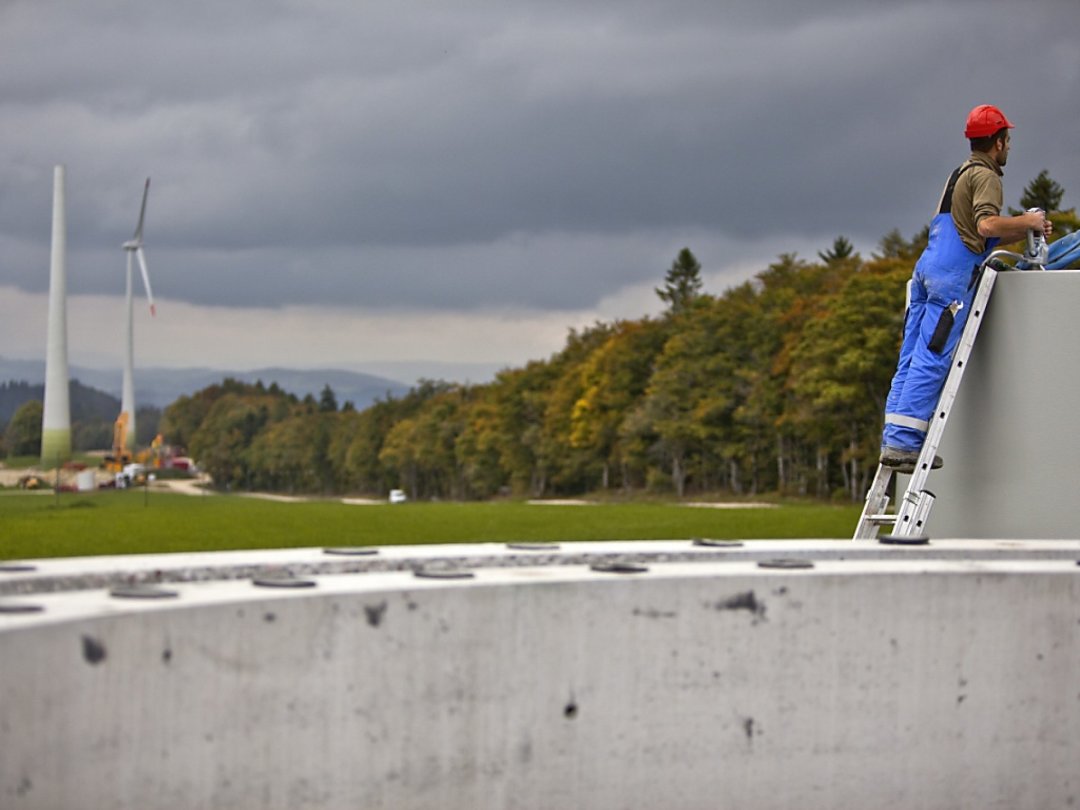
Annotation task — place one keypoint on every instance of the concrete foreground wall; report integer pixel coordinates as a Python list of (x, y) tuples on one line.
[(884, 682)]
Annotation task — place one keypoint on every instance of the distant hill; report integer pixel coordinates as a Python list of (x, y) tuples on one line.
[(93, 412), (88, 404), (161, 387)]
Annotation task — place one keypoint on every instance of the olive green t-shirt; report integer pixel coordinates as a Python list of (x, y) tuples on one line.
[(977, 194)]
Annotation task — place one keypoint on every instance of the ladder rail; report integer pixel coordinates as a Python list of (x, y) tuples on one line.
[(877, 501)]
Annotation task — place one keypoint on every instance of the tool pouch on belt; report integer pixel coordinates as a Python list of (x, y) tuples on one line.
[(944, 327)]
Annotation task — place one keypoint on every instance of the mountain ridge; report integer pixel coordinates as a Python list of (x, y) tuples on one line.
[(161, 386)]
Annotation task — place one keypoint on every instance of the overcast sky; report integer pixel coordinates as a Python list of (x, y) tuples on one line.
[(349, 184)]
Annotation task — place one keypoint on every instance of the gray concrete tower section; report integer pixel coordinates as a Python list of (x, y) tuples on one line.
[(1012, 444)]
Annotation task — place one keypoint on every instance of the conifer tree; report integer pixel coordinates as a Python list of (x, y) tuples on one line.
[(327, 400), (682, 284), (841, 249), (1042, 192)]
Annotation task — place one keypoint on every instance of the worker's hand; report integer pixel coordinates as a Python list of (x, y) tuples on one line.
[(1048, 227), (1037, 221)]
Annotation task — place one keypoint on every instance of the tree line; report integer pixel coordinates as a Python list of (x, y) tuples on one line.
[(775, 385)]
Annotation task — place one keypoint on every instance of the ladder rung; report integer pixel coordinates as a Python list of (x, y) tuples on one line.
[(881, 519)]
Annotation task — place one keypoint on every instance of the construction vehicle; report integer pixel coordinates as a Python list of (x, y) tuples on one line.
[(156, 455), (120, 456)]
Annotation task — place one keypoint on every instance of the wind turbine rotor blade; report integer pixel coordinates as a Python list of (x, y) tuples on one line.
[(146, 278), (142, 212)]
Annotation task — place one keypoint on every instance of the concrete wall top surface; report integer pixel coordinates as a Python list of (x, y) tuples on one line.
[(70, 573), (25, 611)]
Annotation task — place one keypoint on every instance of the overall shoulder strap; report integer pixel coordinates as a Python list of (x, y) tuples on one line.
[(946, 198)]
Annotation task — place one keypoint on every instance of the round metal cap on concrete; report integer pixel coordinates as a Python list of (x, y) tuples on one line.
[(16, 568), (538, 546), (619, 568), (443, 573), (142, 592), (283, 582), (901, 540), (785, 563)]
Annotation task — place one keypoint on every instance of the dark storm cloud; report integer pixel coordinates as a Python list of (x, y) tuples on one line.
[(480, 153)]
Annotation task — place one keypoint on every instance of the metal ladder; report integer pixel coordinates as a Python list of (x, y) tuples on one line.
[(913, 509)]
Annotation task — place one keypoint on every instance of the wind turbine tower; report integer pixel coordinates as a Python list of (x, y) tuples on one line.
[(56, 418), (134, 249)]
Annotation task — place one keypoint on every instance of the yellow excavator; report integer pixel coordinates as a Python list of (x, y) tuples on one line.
[(155, 456), (120, 456)]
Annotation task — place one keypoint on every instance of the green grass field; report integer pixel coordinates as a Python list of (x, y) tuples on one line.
[(133, 522)]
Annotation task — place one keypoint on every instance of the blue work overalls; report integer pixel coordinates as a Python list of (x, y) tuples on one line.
[(942, 287)]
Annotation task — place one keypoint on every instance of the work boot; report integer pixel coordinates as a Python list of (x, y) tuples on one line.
[(904, 461)]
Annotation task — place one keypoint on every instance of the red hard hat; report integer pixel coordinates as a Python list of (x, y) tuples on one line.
[(985, 120)]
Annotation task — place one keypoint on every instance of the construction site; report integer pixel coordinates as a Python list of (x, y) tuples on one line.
[(117, 468)]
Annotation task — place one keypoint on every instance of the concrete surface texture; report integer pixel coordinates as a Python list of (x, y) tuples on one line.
[(1011, 447), (783, 681)]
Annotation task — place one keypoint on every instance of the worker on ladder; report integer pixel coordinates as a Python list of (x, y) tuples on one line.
[(967, 226)]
